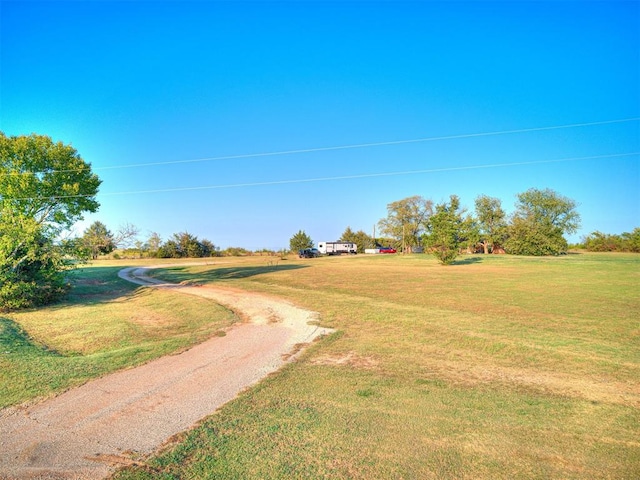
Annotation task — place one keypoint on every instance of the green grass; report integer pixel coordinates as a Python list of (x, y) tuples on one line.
[(105, 325), (496, 367)]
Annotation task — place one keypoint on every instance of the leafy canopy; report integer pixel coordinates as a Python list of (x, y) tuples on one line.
[(45, 187), (448, 230), (541, 220), (45, 181), (406, 220), (491, 222), (97, 239), (605, 242), (300, 241)]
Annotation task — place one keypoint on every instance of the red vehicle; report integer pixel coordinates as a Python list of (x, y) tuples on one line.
[(387, 250)]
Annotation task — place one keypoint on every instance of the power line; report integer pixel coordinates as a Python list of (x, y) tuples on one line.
[(347, 147), (347, 177), (366, 145)]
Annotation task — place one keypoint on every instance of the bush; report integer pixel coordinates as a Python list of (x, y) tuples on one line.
[(530, 238), (34, 275), (604, 242), (236, 252), (19, 294)]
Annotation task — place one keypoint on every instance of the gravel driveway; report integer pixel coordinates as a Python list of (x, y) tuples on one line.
[(87, 432)]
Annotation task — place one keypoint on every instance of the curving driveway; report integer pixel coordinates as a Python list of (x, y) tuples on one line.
[(86, 432)]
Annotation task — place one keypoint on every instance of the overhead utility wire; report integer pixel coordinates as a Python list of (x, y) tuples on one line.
[(354, 146), (345, 177), (366, 145)]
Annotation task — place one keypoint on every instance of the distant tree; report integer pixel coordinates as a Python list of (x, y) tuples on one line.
[(631, 241), (154, 242), (126, 235), (141, 247), (209, 249), (448, 230), (541, 220), (169, 249), (45, 188), (98, 240), (472, 238), (604, 242), (267, 252), (348, 235), (491, 222), (300, 241), (236, 252), (363, 241), (406, 220), (186, 245), (360, 238)]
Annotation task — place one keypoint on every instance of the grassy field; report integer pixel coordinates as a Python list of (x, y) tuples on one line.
[(496, 367)]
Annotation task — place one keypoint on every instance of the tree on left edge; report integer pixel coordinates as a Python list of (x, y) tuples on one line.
[(45, 187)]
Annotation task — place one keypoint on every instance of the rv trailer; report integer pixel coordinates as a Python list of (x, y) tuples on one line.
[(337, 248)]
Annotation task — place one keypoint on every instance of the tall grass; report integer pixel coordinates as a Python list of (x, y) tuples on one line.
[(496, 367)]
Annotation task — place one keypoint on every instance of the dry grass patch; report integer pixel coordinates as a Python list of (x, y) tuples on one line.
[(350, 359)]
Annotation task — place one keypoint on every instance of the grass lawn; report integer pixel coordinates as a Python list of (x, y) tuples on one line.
[(106, 324), (495, 367)]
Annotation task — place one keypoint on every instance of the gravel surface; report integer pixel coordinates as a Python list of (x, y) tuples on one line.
[(89, 431)]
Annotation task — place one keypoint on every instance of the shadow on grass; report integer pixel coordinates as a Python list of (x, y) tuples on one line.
[(91, 285), (13, 339), (94, 285), (181, 274), (468, 261)]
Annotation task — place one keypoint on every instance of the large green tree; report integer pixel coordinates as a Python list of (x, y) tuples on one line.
[(541, 220), (300, 241), (406, 221), (45, 187)]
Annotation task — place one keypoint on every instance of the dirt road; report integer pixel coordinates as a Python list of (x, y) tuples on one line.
[(87, 432)]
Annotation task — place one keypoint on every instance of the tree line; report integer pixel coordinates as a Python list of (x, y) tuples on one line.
[(537, 226), (605, 242), (98, 240)]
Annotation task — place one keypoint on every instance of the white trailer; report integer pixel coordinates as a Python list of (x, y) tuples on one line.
[(337, 248)]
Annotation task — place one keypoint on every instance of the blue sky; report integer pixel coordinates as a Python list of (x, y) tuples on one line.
[(142, 88)]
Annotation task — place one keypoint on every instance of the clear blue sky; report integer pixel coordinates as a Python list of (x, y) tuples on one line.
[(154, 84)]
